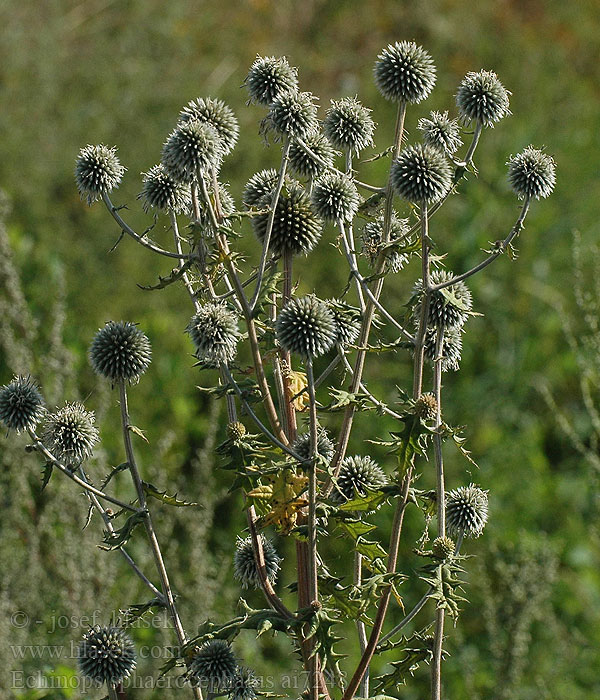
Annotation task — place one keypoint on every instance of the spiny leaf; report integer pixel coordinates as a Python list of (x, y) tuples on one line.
[(137, 611), (372, 500), (120, 537), (342, 399), (176, 274), (121, 467), (355, 528), (415, 650), (164, 497), (46, 474)]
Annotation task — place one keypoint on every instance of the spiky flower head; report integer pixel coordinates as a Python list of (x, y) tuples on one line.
[(244, 685), (306, 326), (532, 173), (218, 115), (443, 547), (348, 320), (448, 307), (293, 114), (21, 404), (335, 197), (260, 186), (120, 352), (421, 174), (296, 228), (372, 241), (245, 568), (404, 72), (97, 171), (214, 663), (451, 348), (426, 406), (214, 331), (348, 125), (162, 192), (441, 132), (106, 655), (70, 434), (357, 476), (236, 430), (325, 447), (304, 164), (466, 511), (192, 147), (269, 78), (481, 97)]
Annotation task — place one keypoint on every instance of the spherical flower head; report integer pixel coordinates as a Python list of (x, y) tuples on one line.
[(451, 348), (296, 227), (441, 132), (269, 78), (244, 685), (214, 331), (192, 147), (426, 407), (348, 320), (120, 352), (97, 171), (70, 434), (306, 326), (448, 307), (294, 114), (214, 663), (357, 476), (335, 197), (372, 242), (218, 115), (245, 568), (421, 174), (260, 186), (304, 164), (163, 192), (532, 173), (236, 430), (21, 404), (481, 97), (466, 511), (348, 125), (443, 548), (325, 447), (404, 72), (106, 655)]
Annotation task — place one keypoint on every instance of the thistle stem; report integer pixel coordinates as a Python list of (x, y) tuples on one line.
[(360, 626)]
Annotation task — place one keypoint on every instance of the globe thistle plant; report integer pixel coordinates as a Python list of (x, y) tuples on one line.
[(481, 97), (532, 173), (269, 78), (372, 241), (448, 307), (426, 406), (244, 685), (236, 430), (218, 115), (214, 663), (260, 187), (405, 72), (348, 321), (214, 332), (306, 327), (325, 447), (451, 350), (21, 404), (466, 511), (245, 568), (293, 114), (97, 172), (193, 147), (163, 192), (106, 655), (120, 352), (348, 125), (357, 476), (335, 197), (443, 548), (441, 132), (70, 434), (421, 174), (306, 165)]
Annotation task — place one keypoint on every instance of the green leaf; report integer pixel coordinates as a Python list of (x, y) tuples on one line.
[(415, 650), (137, 611), (370, 502), (176, 274), (342, 399), (46, 474), (355, 528), (164, 497), (120, 537), (121, 467)]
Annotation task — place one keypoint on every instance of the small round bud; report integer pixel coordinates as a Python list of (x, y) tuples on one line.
[(236, 430), (325, 447), (443, 547), (357, 476), (421, 174), (348, 125), (448, 307), (451, 348), (532, 173), (120, 352), (106, 655), (214, 331), (426, 407), (97, 171), (294, 114), (244, 685), (218, 115), (306, 326), (335, 197), (21, 404), (304, 164), (214, 663), (348, 320), (245, 568), (70, 434), (260, 187), (163, 192), (466, 511), (481, 97), (404, 72), (269, 78), (192, 147), (372, 237), (441, 132)]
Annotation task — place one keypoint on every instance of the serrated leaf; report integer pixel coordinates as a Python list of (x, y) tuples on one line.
[(371, 501), (342, 399), (137, 611), (46, 474), (176, 274), (355, 528), (164, 497), (120, 537), (416, 650), (119, 468)]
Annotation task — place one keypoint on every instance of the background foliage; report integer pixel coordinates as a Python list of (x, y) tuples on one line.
[(92, 71)]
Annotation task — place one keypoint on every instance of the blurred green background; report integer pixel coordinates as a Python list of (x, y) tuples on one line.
[(73, 73)]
